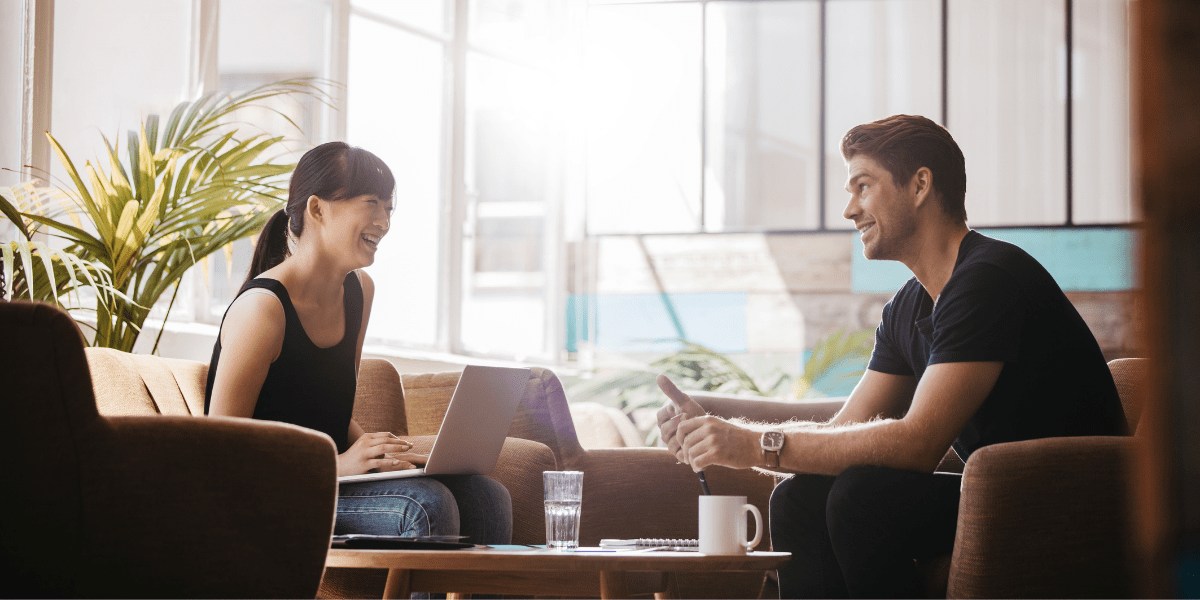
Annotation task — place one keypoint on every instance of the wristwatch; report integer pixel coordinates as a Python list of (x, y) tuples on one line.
[(772, 445)]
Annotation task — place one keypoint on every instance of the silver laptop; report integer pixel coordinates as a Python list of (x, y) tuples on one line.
[(473, 430)]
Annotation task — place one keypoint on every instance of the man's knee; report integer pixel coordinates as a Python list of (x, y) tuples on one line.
[(860, 496), (797, 501)]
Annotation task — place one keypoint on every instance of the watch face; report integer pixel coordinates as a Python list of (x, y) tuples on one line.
[(772, 440)]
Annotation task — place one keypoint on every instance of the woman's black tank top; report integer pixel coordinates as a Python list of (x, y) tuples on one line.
[(307, 386)]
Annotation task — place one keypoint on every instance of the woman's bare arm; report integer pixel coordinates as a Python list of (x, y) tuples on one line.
[(251, 339)]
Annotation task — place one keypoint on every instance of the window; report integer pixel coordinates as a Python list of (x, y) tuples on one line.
[(1007, 107), (763, 95), (642, 115), (783, 80), (396, 107)]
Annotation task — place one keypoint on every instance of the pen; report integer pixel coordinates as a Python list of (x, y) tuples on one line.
[(699, 474), (677, 398)]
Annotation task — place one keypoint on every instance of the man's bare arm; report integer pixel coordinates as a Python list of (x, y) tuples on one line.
[(947, 397), (877, 396)]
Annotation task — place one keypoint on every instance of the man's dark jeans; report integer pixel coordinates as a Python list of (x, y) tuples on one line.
[(856, 535)]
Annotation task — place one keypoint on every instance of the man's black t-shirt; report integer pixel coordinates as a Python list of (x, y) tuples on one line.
[(1000, 304)]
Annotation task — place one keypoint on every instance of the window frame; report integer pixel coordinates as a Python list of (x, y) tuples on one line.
[(822, 227)]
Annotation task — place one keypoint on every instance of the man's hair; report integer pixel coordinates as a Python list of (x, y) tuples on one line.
[(904, 143)]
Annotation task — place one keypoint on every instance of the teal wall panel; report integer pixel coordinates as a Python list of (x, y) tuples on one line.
[(1081, 260), (636, 323)]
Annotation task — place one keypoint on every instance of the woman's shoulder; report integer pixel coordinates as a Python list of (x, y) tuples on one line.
[(256, 308), (365, 283)]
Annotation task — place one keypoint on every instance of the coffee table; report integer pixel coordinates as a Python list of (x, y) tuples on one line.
[(541, 572)]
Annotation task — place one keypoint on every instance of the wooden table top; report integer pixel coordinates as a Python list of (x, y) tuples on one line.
[(539, 559)]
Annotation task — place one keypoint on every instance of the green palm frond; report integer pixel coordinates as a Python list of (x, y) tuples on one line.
[(836, 359), (58, 277), (827, 367), (188, 187), (709, 369)]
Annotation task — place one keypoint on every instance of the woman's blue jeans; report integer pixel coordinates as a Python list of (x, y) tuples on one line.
[(470, 505)]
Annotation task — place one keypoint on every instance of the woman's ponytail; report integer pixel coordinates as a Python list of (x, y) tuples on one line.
[(272, 245)]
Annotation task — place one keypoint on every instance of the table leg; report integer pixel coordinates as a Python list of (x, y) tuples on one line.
[(672, 590), (399, 584), (612, 585)]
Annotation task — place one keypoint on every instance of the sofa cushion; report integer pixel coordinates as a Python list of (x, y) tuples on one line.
[(379, 398), (134, 384), (1130, 376)]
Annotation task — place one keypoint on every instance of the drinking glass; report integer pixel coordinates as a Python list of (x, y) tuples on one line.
[(564, 494)]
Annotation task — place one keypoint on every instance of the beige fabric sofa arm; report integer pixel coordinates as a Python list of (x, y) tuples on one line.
[(212, 507), (1043, 518)]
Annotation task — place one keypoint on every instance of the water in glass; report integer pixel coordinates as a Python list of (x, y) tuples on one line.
[(562, 524)]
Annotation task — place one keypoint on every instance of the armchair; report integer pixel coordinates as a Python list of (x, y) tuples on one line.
[(147, 506), (1039, 518)]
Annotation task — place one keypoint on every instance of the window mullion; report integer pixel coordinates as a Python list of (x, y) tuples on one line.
[(37, 80), (450, 329), (337, 68)]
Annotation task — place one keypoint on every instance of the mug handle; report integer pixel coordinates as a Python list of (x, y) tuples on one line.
[(758, 526)]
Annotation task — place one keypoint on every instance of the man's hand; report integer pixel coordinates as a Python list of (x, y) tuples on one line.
[(710, 440), (680, 407)]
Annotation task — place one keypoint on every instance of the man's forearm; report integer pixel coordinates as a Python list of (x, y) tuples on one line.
[(830, 449)]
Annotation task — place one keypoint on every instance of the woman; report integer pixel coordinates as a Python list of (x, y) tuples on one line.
[(290, 345)]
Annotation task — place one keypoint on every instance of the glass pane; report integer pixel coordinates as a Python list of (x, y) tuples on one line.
[(107, 83), (432, 15), (95, 89), (529, 30), (1007, 95), (884, 58), (394, 109), (510, 156), (1101, 160), (642, 113), (762, 115), (260, 42)]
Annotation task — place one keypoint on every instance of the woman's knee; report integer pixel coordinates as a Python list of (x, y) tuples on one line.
[(410, 507), (485, 508)]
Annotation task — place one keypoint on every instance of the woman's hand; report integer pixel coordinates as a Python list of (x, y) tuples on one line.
[(380, 450), (406, 461)]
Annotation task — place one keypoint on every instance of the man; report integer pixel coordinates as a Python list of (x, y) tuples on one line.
[(980, 347)]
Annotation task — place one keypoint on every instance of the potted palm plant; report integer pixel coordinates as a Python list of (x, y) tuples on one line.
[(187, 188)]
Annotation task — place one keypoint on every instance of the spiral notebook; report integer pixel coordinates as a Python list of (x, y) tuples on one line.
[(641, 543)]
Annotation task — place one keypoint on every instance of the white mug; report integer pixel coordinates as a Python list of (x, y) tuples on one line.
[(723, 525)]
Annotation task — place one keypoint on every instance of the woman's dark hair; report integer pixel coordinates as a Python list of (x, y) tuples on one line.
[(904, 143), (332, 171)]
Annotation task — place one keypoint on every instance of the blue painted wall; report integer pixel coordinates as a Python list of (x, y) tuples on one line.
[(635, 323), (1093, 260), (1081, 260)]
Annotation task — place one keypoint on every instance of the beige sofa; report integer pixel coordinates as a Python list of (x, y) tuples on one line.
[(628, 492)]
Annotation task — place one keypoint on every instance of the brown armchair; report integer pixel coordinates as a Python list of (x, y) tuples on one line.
[(1038, 519), (147, 506)]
